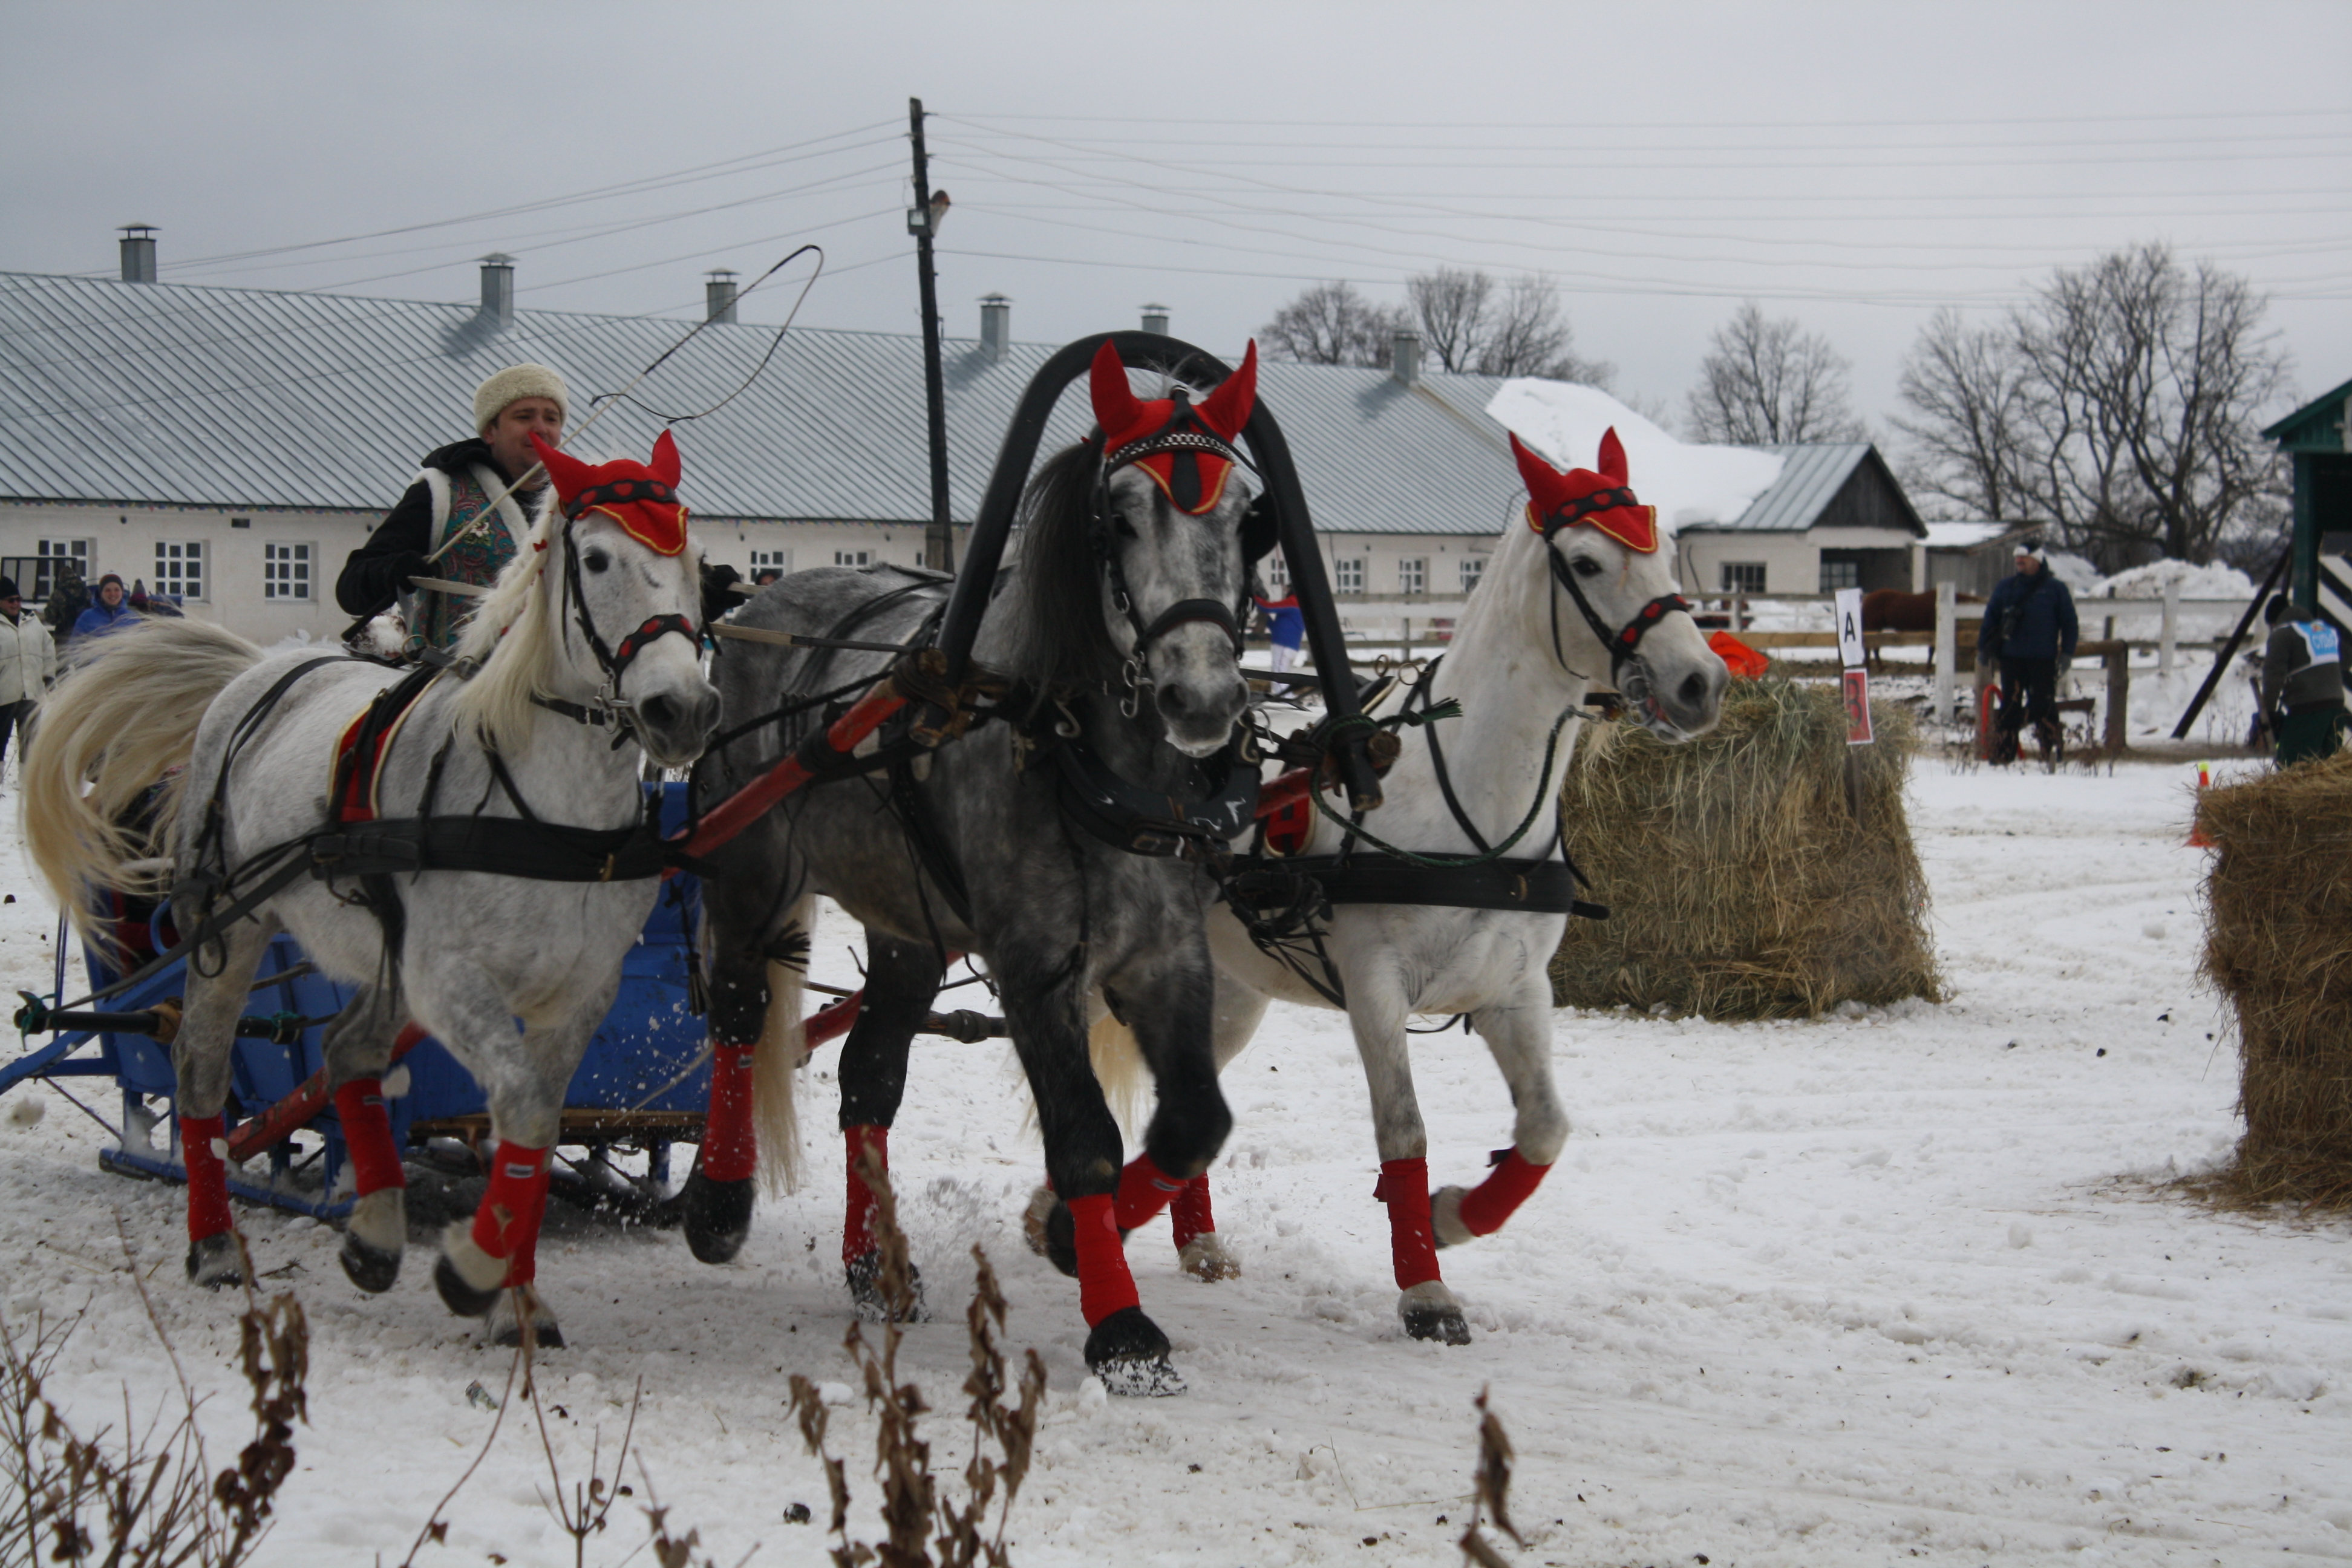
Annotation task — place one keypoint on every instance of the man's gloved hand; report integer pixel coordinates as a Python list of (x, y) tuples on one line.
[(717, 600), (406, 567)]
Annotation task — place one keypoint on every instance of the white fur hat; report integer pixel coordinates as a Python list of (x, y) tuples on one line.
[(518, 381)]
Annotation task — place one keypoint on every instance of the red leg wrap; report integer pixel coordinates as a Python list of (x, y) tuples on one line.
[(858, 1225), (506, 1225), (1412, 1245), (731, 1147), (1104, 1284), (1144, 1189), (1190, 1213), (1486, 1206), (367, 1136), (202, 1139)]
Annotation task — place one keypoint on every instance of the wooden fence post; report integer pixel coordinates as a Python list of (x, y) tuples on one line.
[(1948, 640), (2118, 662)]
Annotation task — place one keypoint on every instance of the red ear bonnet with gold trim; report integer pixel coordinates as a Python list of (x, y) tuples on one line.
[(1186, 448), (1600, 500), (641, 497)]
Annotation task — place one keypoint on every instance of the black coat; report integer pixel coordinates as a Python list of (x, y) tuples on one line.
[(374, 574)]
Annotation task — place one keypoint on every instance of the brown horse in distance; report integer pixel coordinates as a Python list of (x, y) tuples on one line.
[(1893, 610)]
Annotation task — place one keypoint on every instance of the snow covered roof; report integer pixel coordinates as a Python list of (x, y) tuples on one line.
[(1964, 535), (1689, 484)]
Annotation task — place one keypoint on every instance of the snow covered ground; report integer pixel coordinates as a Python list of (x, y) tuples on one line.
[(1903, 1286)]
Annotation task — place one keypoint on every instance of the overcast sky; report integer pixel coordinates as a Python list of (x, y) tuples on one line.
[(1852, 165)]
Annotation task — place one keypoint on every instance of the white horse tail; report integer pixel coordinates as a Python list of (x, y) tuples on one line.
[(775, 1068), (1119, 1068), (123, 719)]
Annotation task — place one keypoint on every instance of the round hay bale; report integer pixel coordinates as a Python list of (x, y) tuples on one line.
[(1762, 871), (2278, 945)]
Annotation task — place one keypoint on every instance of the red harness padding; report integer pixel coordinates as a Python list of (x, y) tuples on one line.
[(1104, 1284), (1144, 1189), (202, 1138), (1486, 1206), (1191, 1214), (506, 1225), (1413, 1243), (731, 1145), (365, 742), (857, 1224), (367, 1136), (1288, 813)]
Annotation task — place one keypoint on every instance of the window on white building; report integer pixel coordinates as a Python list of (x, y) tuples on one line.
[(1743, 576), (180, 568), (285, 572), (1474, 570), (853, 558), (1277, 573), (1836, 575), (1348, 576), (51, 551), (771, 561), (1412, 575)]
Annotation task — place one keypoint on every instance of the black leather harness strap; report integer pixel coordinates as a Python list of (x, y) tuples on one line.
[(1543, 887)]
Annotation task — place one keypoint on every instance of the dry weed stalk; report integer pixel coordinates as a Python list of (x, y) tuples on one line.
[(1494, 1491), (921, 1519), (147, 1498), (1765, 870)]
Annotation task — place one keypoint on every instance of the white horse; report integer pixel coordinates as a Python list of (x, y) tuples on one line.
[(515, 767), (1580, 592)]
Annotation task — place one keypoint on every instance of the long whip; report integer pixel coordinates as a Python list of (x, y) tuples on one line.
[(608, 401)]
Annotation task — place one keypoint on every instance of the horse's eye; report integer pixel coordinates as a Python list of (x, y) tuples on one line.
[(594, 560), (1586, 567), (1125, 524)]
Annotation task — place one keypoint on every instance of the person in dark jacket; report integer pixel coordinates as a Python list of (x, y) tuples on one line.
[(2030, 628), (2303, 685), (106, 612), (452, 499)]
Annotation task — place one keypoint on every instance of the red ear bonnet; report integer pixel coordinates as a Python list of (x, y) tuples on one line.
[(642, 497), (1582, 496), (1163, 436)]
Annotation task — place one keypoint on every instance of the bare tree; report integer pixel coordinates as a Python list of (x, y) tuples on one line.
[(1967, 389), (1767, 383), (1472, 325), (1330, 323), (2123, 406)]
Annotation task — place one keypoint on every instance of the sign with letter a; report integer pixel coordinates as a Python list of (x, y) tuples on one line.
[(1849, 628)]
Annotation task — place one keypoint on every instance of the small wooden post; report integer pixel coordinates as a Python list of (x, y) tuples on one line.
[(2170, 635), (1948, 638), (2118, 662)]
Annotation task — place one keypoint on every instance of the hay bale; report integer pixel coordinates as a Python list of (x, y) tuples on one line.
[(2278, 944), (1763, 871)]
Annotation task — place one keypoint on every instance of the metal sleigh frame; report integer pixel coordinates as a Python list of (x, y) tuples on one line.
[(647, 1083)]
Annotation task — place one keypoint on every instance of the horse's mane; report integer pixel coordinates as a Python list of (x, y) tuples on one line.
[(511, 638), (1056, 630)]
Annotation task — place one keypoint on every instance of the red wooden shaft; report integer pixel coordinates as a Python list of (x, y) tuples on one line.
[(753, 801)]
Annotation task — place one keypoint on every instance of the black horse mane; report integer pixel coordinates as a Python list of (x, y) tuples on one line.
[(1058, 631)]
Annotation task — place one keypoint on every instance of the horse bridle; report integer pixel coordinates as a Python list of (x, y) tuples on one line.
[(608, 706), (1625, 641), (1183, 432)]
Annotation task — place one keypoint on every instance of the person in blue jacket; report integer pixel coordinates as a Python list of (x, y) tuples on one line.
[(2030, 628), (106, 612)]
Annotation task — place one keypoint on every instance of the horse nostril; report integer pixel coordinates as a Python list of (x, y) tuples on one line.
[(1693, 691), (660, 712), (1174, 700)]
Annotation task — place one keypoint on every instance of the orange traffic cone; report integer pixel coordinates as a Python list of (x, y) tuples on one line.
[(2197, 838)]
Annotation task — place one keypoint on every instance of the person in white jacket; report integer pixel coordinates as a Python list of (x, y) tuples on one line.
[(29, 662)]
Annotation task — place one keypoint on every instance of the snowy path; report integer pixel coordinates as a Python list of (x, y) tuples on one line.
[(1899, 1287)]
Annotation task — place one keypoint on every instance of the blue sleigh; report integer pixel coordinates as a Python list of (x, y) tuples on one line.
[(645, 1080)]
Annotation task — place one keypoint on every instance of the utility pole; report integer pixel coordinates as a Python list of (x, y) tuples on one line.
[(923, 223)]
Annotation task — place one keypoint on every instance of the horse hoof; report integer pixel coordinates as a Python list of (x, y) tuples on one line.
[(371, 1269), (213, 1262), (1445, 1217), (1041, 1204), (1062, 1239), (718, 1216), (1431, 1312), (1129, 1353), (866, 1292), (506, 1323), (1205, 1257), (460, 1297)]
